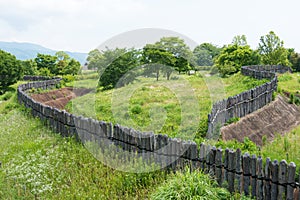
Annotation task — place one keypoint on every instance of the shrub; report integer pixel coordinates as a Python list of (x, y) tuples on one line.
[(232, 120), (291, 99), (285, 77), (6, 96), (297, 100), (68, 78), (136, 109), (190, 185)]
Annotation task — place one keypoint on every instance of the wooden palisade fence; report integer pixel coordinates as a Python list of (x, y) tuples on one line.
[(242, 173)]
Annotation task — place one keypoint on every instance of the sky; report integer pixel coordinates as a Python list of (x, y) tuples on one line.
[(83, 25)]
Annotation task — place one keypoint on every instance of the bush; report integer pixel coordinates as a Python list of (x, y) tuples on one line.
[(285, 77), (136, 109), (291, 99), (232, 120), (10, 70), (297, 100), (190, 185), (68, 78), (6, 96)]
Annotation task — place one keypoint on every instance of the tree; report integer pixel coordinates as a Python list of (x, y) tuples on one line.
[(179, 49), (66, 64), (205, 53), (101, 59), (10, 70), (294, 59), (117, 73), (240, 40), (233, 57), (93, 57), (47, 62), (272, 50), (158, 60), (29, 67)]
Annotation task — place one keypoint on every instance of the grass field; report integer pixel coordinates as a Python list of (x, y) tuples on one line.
[(167, 107), (282, 147), (37, 163)]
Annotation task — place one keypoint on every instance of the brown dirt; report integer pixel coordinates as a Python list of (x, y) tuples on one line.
[(60, 98), (279, 117)]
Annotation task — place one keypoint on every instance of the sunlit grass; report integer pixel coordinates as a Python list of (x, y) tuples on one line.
[(289, 82), (37, 163), (150, 105)]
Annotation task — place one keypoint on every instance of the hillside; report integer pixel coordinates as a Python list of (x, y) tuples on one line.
[(279, 117), (24, 51)]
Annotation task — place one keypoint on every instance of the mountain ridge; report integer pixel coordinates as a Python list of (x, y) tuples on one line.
[(27, 50)]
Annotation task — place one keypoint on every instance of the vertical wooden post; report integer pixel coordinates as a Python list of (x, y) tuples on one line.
[(231, 169), (212, 161), (246, 173), (219, 155), (282, 179), (260, 175), (207, 152), (267, 179), (238, 170), (226, 165), (291, 180), (202, 156), (253, 175), (274, 172)]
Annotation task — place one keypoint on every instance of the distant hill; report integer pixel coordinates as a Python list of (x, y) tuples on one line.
[(24, 51)]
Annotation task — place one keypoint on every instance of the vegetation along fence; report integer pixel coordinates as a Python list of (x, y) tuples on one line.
[(246, 102), (239, 173)]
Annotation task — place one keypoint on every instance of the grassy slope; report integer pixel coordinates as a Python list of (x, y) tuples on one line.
[(149, 95), (39, 163), (283, 147), (286, 147)]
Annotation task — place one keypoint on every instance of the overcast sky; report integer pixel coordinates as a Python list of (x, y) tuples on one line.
[(82, 25)]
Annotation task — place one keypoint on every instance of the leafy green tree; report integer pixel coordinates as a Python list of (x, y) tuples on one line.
[(294, 59), (205, 53), (47, 62), (66, 65), (93, 58), (10, 70), (117, 73), (29, 67), (240, 40), (272, 50), (233, 57), (158, 60), (101, 59), (44, 72), (73, 67), (179, 49)]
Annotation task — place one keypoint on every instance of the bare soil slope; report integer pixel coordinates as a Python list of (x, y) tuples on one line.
[(60, 98), (277, 117)]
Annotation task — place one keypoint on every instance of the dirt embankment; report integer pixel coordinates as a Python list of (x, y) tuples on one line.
[(60, 98), (277, 117)]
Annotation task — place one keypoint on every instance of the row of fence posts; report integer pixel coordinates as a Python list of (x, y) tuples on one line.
[(239, 173)]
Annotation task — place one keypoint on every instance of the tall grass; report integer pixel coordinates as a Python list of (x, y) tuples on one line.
[(153, 107), (37, 163), (192, 185)]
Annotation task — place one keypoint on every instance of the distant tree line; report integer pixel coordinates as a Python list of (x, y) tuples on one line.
[(115, 66), (172, 54), (12, 69)]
